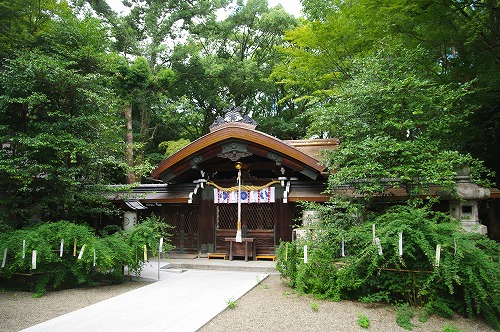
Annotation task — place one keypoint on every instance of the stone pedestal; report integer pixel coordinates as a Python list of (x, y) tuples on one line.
[(465, 205)]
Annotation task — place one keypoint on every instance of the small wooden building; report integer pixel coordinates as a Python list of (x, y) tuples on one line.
[(198, 187), (198, 192)]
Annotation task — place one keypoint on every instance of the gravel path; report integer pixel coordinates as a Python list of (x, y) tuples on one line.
[(19, 310), (271, 306)]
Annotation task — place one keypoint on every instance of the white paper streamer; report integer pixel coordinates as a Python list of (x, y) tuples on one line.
[(401, 244), (343, 253), (33, 260), (24, 248), (377, 242), (438, 255), (305, 253), (4, 257), (160, 249), (81, 252), (61, 248)]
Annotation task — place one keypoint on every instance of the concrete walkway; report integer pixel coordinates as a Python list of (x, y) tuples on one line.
[(182, 300)]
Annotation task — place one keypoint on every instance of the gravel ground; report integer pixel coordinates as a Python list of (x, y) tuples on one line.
[(271, 306), (19, 310)]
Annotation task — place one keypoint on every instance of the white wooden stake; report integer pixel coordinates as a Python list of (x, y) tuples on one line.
[(33, 260), (343, 254), (377, 242), (61, 248), (81, 252), (401, 244), (438, 255), (160, 249), (24, 248), (373, 233), (4, 257), (455, 246), (94, 258), (145, 253)]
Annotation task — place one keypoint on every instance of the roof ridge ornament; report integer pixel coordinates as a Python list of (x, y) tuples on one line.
[(232, 115)]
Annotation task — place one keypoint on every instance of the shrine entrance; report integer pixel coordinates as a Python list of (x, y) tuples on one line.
[(258, 222)]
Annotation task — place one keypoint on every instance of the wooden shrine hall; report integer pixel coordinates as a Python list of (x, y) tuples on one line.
[(234, 172)]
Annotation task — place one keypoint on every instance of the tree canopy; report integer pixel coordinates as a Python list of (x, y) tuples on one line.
[(91, 96)]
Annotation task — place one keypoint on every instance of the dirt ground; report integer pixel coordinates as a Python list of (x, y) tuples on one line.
[(270, 306)]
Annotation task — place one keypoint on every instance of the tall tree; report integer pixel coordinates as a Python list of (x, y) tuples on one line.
[(148, 32), (462, 37), (382, 78), (227, 62), (394, 123), (58, 128)]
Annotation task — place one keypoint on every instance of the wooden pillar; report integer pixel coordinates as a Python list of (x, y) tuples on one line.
[(207, 225), (283, 213)]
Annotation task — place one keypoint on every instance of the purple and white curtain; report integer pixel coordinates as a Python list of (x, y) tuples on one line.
[(247, 196)]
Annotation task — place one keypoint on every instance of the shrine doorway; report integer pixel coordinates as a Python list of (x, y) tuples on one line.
[(257, 221)]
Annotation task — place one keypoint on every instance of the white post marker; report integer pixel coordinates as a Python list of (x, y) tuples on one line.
[(33, 260), (61, 247), (305, 253), (401, 244), (94, 258), (4, 257), (145, 253), (377, 242), (160, 248), (373, 233), (343, 254), (455, 247), (438, 255), (24, 248), (81, 252)]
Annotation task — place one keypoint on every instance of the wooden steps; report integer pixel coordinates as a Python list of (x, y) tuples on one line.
[(217, 255), (273, 257)]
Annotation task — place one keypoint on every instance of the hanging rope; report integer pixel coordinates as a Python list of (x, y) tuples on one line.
[(244, 187)]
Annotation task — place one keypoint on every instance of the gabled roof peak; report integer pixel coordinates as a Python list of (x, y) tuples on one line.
[(232, 115)]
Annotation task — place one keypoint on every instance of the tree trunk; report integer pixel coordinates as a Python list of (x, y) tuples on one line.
[(129, 145)]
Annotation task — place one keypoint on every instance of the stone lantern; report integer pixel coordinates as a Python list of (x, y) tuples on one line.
[(464, 205)]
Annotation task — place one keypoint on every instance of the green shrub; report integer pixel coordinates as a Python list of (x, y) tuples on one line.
[(451, 328), (363, 321), (112, 252), (404, 315), (465, 282)]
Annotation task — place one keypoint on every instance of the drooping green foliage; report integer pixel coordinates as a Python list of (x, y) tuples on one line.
[(86, 258), (466, 280)]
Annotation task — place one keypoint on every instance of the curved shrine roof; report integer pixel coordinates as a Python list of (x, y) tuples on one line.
[(237, 141)]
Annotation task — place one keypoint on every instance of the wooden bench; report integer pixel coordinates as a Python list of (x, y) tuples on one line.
[(273, 257), (217, 255)]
